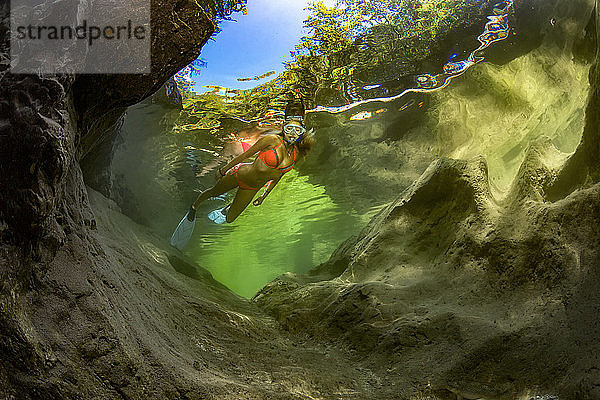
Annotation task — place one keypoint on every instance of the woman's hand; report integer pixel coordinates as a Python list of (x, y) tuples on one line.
[(258, 201)]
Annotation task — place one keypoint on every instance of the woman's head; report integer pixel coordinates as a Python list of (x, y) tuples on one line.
[(294, 130)]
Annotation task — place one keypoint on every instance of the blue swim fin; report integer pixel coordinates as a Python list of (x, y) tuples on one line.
[(218, 216), (183, 232)]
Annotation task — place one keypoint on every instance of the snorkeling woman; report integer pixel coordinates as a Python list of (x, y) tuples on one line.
[(277, 154), (243, 139)]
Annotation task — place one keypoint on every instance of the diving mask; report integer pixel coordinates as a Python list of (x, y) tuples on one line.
[(297, 129)]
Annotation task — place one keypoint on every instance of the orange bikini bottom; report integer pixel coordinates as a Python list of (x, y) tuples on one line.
[(235, 172)]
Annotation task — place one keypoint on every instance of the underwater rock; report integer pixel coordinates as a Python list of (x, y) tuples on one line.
[(583, 167), (169, 94), (143, 175), (51, 123), (100, 100), (117, 314)]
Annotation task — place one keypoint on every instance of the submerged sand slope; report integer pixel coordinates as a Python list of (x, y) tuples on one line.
[(117, 314), (178, 336)]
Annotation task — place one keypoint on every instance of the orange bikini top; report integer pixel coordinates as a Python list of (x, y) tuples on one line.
[(271, 160)]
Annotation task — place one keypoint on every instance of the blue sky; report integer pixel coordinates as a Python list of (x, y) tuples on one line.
[(257, 43)]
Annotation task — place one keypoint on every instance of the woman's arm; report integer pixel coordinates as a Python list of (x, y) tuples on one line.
[(270, 187), (261, 144)]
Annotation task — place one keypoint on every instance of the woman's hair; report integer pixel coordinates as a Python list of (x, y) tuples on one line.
[(306, 143)]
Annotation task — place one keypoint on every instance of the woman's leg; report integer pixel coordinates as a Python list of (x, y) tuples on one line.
[(242, 199), (224, 184)]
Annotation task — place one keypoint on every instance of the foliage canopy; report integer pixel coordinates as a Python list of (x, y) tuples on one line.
[(349, 46)]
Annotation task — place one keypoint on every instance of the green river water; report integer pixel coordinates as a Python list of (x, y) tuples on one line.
[(296, 228)]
